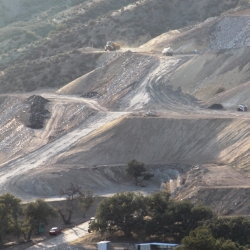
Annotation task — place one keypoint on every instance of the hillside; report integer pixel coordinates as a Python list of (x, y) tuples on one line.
[(73, 112), (53, 35)]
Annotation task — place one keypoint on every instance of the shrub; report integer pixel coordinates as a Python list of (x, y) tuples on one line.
[(220, 90)]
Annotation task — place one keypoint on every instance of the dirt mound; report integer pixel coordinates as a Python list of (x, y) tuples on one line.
[(37, 112)]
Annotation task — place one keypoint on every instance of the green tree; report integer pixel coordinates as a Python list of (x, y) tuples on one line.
[(123, 211), (157, 204), (157, 214), (86, 200), (12, 205), (137, 169), (223, 244), (4, 225), (37, 212), (202, 239), (199, 239), (236, 229), (175, 219)]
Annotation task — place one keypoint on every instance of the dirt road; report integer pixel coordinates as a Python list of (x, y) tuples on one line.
[(61, 240), (22, 166)]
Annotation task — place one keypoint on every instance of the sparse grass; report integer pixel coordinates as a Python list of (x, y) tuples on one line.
[(85, 23)]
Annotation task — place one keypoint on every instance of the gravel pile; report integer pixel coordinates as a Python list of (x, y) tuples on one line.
[(231, 32), (38, 113)]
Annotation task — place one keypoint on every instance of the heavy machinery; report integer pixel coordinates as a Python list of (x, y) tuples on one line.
[(112, 46), (242, 107), (167, 52)]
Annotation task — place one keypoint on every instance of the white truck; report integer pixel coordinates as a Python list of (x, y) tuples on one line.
[(167, 52)]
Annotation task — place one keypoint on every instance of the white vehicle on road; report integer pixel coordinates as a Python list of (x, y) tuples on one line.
[(167, 52)]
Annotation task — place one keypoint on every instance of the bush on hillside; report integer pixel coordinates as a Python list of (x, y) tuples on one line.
[(220, 90)]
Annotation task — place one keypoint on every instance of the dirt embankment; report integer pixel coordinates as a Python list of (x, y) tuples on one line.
[(97, 160), (217, 186), (159, 140)]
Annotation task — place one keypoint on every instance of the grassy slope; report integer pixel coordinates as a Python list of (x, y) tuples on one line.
[(56, 28)]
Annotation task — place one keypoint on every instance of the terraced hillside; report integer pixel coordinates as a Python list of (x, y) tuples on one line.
[(133, 103)]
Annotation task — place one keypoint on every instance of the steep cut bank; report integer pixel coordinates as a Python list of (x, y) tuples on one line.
[(188, 140)]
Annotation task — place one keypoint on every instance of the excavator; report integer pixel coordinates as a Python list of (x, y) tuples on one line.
[(112, 46)]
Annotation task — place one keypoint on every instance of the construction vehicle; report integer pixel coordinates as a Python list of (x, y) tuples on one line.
[(112, 46), (242, 107), (167, 52)]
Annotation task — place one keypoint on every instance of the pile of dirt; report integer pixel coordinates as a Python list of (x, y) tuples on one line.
[(37, 113)]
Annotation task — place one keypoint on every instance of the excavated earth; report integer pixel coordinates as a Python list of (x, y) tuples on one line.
[(138, 104)]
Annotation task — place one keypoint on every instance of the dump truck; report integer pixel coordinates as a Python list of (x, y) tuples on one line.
[(112, 46), (167, 52)]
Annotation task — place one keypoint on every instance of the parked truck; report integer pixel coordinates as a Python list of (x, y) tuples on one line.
[(242, 107)]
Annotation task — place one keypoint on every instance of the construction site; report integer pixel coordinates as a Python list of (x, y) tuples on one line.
[(139, 103)]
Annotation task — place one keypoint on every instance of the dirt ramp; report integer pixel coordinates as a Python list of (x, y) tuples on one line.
[(133, 81), (117, 77), (165, 140)]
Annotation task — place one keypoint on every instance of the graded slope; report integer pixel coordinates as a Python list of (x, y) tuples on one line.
[(136, 81), (189, 140), (133, 81), (220, 48)]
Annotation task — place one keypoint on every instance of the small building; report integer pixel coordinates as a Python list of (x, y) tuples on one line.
[(156, 246), (103, 245)]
